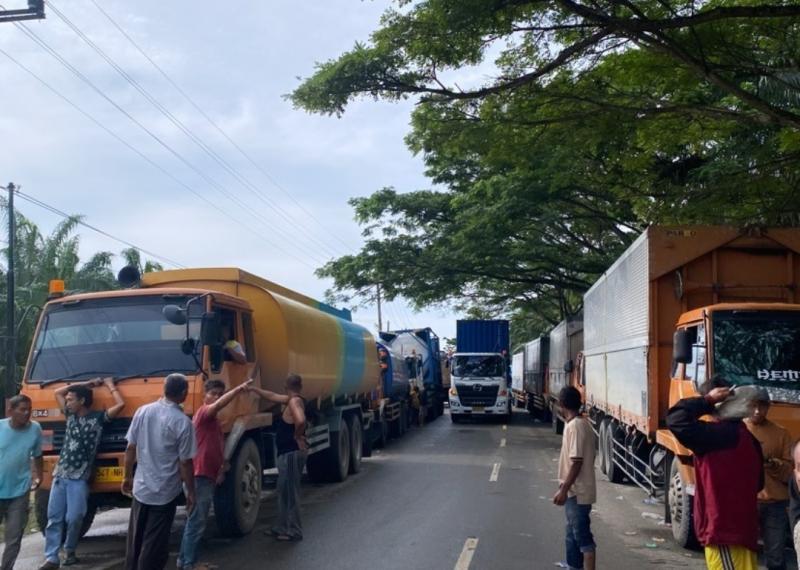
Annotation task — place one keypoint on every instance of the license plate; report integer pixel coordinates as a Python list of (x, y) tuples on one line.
[(109, 475), (477, 408)]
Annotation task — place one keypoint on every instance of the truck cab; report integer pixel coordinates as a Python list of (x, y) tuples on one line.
[(479, 385), (125, 335)]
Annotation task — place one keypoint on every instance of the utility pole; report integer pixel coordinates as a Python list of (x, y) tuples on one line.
[(380, 317), (10, 387), (35, 11)]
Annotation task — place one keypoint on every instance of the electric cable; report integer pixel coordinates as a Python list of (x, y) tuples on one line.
[(291, 223), (151, 161), (218, 128)]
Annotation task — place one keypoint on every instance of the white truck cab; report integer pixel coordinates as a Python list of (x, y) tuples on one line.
[(479, 385)]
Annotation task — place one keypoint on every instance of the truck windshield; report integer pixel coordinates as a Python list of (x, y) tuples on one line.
[(119, 336), (475, 365), (759, 347)]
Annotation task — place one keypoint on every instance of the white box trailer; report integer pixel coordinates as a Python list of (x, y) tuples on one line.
[(566, 344)]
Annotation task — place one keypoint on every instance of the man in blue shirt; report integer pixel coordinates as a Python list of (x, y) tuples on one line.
[(20, 444)]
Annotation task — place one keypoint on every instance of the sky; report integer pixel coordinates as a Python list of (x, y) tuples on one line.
[(198, 201)]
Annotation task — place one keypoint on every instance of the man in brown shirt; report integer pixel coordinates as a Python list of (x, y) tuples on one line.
[(773, 499)]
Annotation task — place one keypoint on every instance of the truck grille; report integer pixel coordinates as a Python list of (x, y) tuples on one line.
[(112, 440), (477, 394)]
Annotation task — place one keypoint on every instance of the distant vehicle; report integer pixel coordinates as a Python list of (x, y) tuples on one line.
[(479, 369), (173, 322), (420, 349), (530, 381)]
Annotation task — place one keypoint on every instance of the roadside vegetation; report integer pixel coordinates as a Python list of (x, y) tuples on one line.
[(555, 131)]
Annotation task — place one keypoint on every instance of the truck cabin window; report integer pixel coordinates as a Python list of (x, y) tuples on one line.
[(229, 329), (696, 369), (117, 336), (759, 347), (478, 365)]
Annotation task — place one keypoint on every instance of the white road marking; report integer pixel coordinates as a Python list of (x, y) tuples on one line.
[(505, 427), (503, 442), (466, 554), (495, 472)]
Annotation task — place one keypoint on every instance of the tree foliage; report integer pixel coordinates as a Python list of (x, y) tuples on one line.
[(592, 121)]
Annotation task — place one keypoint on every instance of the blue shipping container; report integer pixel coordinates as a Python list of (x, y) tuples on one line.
[(482, 336)]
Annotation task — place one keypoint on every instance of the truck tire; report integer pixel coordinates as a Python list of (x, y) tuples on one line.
[(556, 424), (601, 447), (237, 500), (402, 421), (339, 454), (613, 472), (383, 433), (455, 418), (356, 443), (40, 500), (680, 508)]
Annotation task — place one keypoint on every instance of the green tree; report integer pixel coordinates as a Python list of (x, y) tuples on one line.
[(596, 120)]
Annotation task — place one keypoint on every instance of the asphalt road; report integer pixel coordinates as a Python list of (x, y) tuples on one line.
[(440, 494)]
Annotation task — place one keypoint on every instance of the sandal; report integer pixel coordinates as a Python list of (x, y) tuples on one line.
[(287, 538)]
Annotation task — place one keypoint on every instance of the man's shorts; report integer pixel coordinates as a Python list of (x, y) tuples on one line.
[(730, 558)]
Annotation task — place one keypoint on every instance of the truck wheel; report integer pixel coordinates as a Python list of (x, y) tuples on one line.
[(601, 445), (383, 433), (556, 424), (613, 472), (455, 418), (40, 500), (237, 500), (439, 407), (356, 442), (339, 454), (680, 508), (402, 421)]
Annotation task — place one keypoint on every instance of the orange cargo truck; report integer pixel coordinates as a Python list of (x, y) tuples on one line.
[(681, 304), (172, 321)]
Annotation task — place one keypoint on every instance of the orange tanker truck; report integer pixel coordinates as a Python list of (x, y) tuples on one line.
[(681, 304), (173, 321)]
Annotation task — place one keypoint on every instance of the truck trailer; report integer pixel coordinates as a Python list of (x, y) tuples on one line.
[(172, 322), (680, 305), (566, 344), (530, 382), (480, 370)]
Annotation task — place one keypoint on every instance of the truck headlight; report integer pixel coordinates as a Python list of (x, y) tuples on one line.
[(453, 391)]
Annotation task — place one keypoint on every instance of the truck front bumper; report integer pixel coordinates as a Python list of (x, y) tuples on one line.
[(499, 408)]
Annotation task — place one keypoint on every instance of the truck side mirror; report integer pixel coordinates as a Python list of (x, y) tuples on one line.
[(682, 347), (211, 329), (569, 366), (174, 314)]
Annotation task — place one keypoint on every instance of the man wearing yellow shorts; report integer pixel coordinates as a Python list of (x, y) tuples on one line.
[(725, 503)]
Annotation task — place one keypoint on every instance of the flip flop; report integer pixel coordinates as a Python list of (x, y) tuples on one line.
[(287, 538), (272, 532)]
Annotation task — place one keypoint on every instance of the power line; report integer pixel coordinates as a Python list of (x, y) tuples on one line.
[(293, 224), (218, 128), (151, 161), (80, 75), (55, 210)]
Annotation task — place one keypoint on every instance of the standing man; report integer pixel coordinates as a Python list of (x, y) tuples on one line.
[(69, 492), (773, 499), (577, 490), (208, 465), (290, 439), (161, 445), (20, 449), (725, 506)]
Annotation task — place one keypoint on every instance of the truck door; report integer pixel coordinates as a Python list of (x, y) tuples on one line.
[(238, 360)]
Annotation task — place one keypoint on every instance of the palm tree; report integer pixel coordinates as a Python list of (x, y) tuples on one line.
[(39, 259)]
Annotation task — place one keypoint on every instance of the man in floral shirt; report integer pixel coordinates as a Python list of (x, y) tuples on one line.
[(69, 492)]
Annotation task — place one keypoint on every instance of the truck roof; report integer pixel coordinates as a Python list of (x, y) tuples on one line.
[(227, 299), (697, 314), (236, 275)]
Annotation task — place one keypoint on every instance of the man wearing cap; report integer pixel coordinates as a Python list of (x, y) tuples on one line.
[(773, 499)]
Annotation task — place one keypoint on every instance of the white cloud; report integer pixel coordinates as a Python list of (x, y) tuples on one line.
[(237, 67)]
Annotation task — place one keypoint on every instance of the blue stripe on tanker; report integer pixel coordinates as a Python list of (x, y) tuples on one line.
[(354, 356)]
